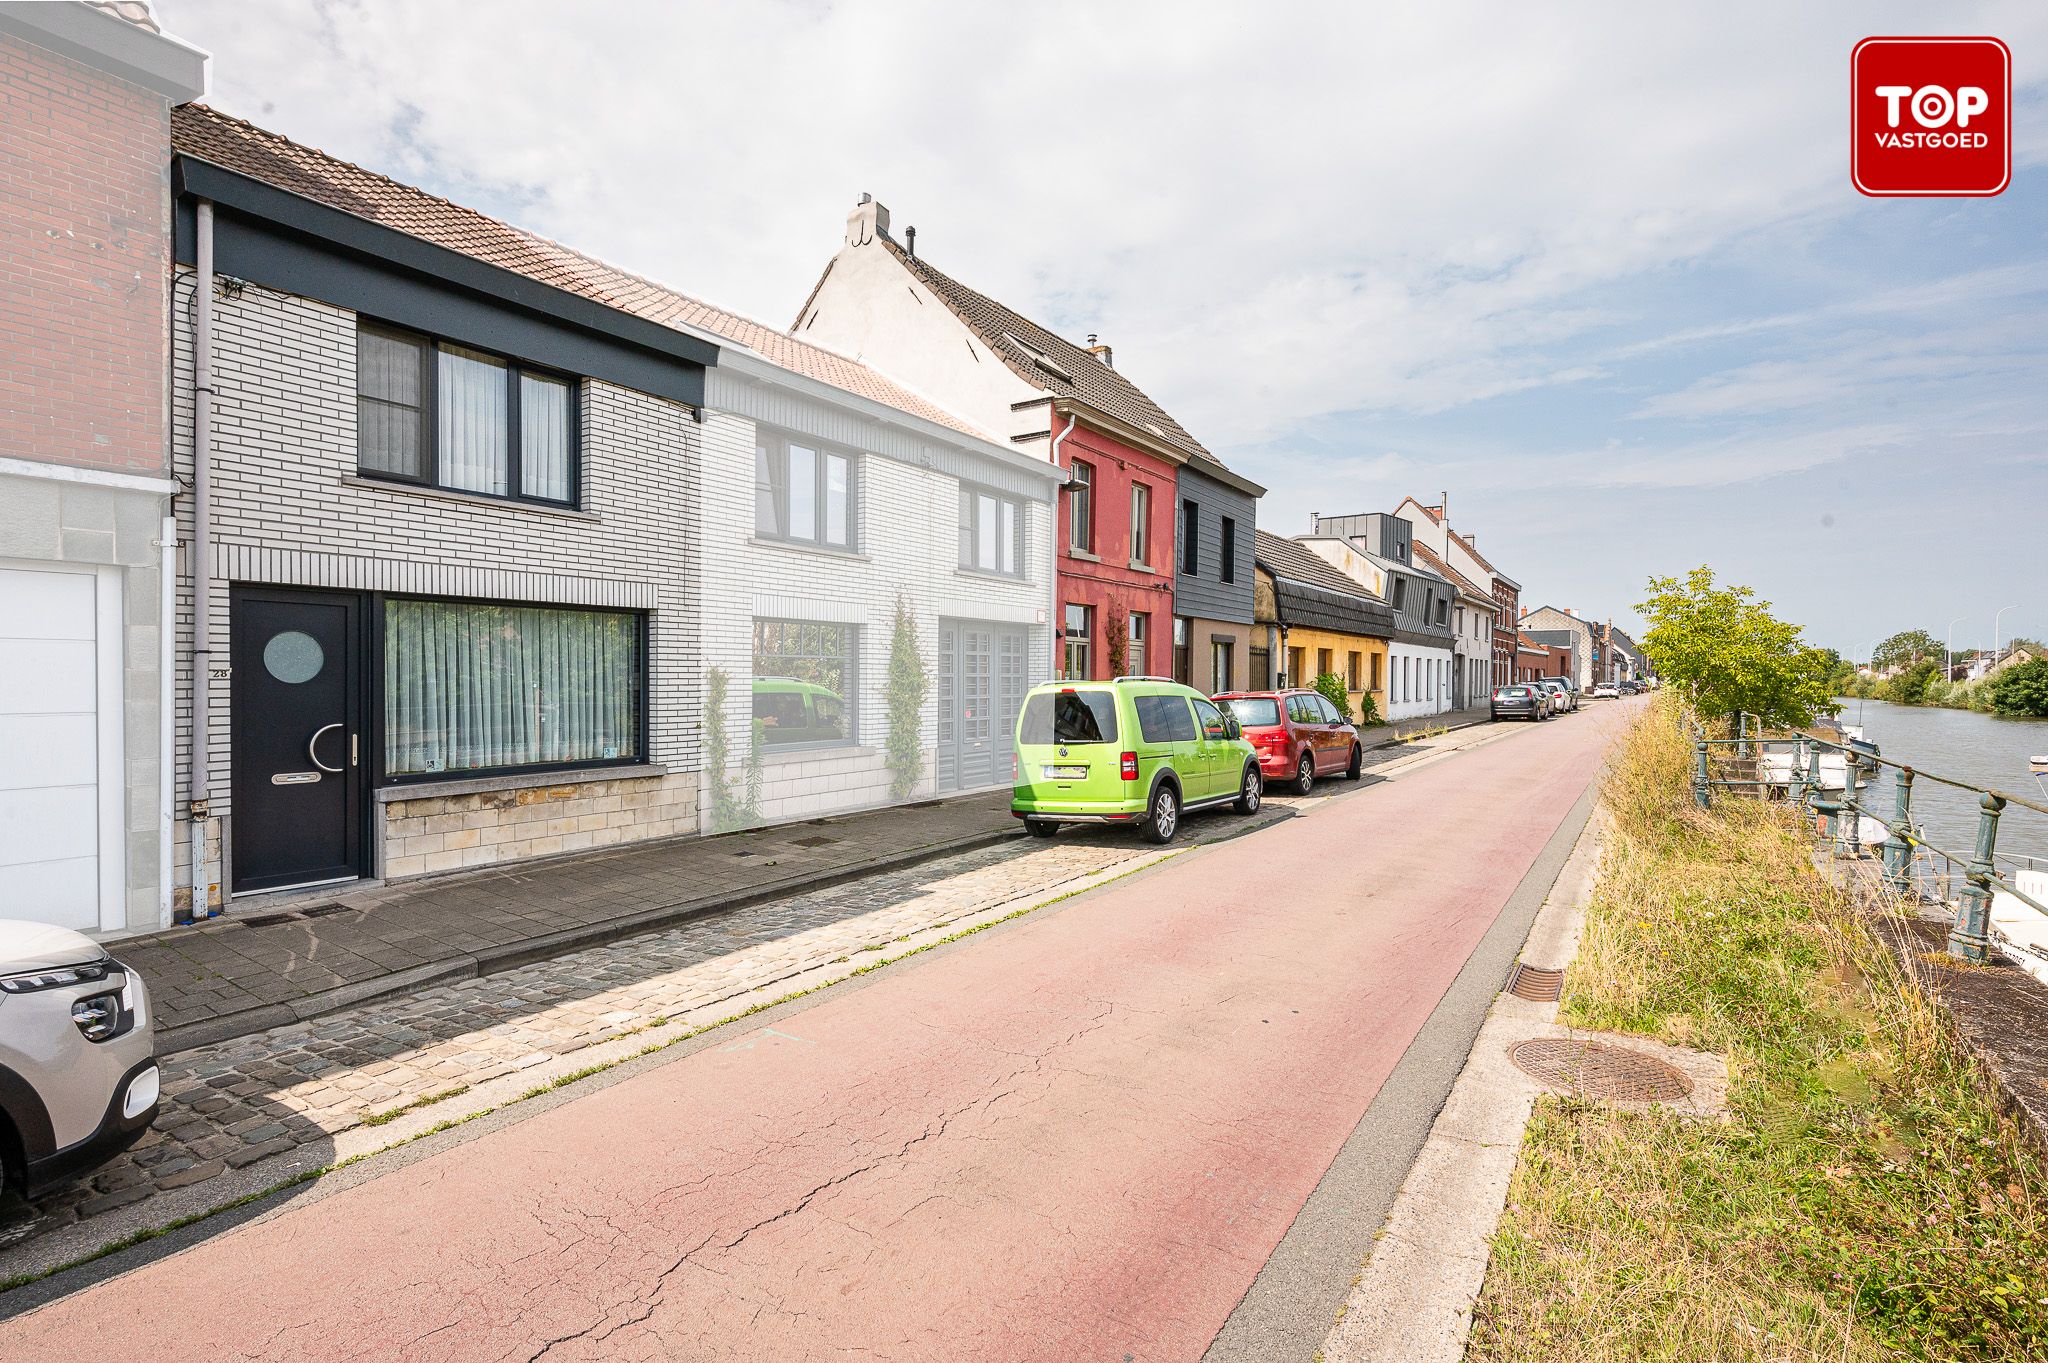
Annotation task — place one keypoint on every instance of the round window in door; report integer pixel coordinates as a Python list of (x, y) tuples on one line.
[(293, 657)]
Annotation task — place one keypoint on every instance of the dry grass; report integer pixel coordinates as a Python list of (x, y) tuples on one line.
[(1864, 1199)]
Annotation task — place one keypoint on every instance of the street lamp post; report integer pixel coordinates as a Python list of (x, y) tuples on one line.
[(1948, 652), (1995, 634)]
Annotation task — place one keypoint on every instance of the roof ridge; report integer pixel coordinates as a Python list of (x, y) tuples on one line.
[(522, 250)]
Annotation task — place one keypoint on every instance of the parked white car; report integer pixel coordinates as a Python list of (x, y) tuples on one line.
[(78, 1075), (1562, 697), (1606, 691)]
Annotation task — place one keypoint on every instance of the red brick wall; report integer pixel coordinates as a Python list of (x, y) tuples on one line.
[(1509, 600), (1107, 582), (84, 256)]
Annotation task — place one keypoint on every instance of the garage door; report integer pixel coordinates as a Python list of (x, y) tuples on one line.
[(51, 747)]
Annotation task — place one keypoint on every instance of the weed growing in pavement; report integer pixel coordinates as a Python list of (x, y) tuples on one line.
[(393, 1113), (1864, 1199)]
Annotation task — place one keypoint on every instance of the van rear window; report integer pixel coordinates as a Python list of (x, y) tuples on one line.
[(1068, 717), (1165, 719)]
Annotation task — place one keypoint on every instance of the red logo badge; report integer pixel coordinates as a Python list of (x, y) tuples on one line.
[(1930, 117)]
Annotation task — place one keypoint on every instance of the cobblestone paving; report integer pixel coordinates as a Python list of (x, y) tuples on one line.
[(236, 1103)]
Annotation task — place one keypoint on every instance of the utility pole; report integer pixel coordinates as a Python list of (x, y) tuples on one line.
[(1948, 651), (1997, 649)]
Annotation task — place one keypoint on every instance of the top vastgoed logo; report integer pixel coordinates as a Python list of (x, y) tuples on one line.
[(1930, 117)]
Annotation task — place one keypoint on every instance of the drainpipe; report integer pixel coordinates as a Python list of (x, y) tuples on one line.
[(1053, 585), (167, 718), (201, 813)]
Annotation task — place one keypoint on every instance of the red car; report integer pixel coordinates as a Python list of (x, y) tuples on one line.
[(1298, 735)]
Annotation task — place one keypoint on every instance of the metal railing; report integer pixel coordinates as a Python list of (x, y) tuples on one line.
[(1914, 867)]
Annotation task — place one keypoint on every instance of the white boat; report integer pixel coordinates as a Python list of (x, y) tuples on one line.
[(2020, 930)]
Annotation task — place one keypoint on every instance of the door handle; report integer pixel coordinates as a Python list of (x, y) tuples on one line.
[(313, 743)]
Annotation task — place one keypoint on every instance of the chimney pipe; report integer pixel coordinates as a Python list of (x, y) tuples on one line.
[(910, 241), (1100, 352)]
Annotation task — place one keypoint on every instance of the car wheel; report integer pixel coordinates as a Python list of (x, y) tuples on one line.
[(1253, 789), (1041, 828), (1162, 821), (1357, 761), (1305, 774)]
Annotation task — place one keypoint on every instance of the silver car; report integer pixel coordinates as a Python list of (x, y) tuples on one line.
[(78, 1075)]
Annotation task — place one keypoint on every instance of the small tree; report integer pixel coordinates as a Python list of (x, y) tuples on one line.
[(2022, 690), (1725, 649), (1116, 641), (909, 683), (1368, 711), (1331, 687)]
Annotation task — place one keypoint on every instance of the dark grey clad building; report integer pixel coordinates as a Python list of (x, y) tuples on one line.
[(1214, 513)]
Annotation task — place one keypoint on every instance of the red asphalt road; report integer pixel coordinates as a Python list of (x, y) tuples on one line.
[(1078, 1138)]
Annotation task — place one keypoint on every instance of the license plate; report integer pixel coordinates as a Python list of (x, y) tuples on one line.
[(1065, 773)]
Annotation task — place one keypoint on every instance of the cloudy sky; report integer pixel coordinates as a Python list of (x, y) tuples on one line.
[(1597, 272)]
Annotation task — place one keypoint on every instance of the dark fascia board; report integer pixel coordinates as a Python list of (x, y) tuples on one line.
[(1374, 618), (197, 179), (155, 61)]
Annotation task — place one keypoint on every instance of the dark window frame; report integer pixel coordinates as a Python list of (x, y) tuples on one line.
[(1081, 506), (777, 444), (1226, 564), (1190, 533), (430, 419), (373, 626)]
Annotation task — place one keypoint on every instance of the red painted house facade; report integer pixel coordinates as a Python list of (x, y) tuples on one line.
[(1115, 570)]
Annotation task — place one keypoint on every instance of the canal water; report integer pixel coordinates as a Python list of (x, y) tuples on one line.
[(1964, 746)]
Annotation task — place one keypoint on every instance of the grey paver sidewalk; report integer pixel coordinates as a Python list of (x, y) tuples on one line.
[(1383, 734), (269, 962)]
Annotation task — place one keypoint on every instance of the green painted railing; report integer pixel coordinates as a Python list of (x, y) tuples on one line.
[(1907, 853)]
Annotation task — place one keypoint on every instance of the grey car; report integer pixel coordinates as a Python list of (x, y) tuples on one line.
[(1523, 700), (78, 1075), (1562, 697)]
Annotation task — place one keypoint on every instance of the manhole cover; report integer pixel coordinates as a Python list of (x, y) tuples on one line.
[(817, 841), (1598, 1070), (1536, 983)]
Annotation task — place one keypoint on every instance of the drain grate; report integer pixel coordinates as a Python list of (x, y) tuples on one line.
[(816, 841), (1536, 983), (1595, 1069), (264, 920), (323, 910)]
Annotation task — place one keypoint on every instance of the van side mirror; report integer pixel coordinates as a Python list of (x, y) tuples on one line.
[(1231, 727)]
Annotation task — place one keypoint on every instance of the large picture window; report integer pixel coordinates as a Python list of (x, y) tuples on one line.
[(445, 416), (475, 687), (991, 532), (805, 677), (803, 494)]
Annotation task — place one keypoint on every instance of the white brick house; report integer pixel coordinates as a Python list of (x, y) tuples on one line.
[(485, 515)]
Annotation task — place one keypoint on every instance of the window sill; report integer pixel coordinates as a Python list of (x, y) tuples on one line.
[(797, 752), (1138, 567), (989, 574), (1083, 555), (800, 547), (476, 785), (469, 498)]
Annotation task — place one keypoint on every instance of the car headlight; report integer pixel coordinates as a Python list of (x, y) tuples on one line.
[(90, 973), (98, 1017)]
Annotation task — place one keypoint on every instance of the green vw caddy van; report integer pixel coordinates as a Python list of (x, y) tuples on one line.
[(1136, 750)]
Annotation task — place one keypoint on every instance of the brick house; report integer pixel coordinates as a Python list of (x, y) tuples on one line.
[(492, 524), (1155, 533), (85, 99)]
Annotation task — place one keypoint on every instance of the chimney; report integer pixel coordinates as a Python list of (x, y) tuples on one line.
[(1100, 352), (910, 241), (868, 221)]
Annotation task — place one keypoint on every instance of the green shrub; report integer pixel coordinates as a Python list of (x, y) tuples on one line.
[(2022, 690), (1331, 687)]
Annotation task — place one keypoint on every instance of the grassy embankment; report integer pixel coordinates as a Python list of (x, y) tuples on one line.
[(1864, 1198)]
